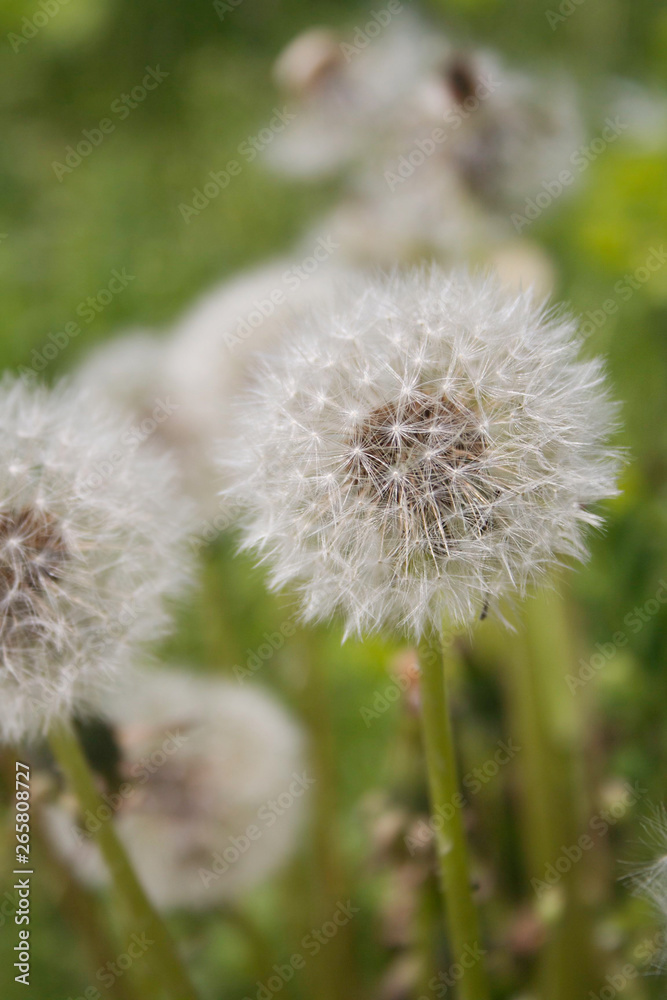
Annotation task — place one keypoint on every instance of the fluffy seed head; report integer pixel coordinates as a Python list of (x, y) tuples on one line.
[(430, 446), (202, 760), (91, 541)]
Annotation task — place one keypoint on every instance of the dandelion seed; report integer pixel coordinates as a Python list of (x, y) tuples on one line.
[(465, 474)]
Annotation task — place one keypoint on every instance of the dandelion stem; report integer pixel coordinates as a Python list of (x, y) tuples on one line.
[(462, 918), (569, 962), (141, 916)]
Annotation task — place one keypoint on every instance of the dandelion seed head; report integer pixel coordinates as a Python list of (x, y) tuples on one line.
[(220, 754), (91, 541), (478, 444)]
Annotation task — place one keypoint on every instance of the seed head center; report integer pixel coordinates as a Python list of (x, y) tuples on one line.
[(420, 460)]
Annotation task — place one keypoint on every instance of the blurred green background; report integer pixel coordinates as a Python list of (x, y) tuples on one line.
[(60, 242)]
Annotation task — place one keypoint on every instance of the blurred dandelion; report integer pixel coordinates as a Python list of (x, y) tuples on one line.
[(202, 760)]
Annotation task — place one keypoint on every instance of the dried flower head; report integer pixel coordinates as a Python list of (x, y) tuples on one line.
[(90, 544), (202, 762), (433, 444)]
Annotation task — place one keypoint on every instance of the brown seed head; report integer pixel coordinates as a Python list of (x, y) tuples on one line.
[(420, 460)]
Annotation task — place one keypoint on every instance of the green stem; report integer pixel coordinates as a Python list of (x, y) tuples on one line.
[(570, 962), (462, 918), (140, 914), (334, 970)]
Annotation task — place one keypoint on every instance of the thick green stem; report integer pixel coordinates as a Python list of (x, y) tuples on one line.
[(462, 918), (334, 968), (141, 917)]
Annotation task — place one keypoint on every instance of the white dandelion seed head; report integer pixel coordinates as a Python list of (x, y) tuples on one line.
[(422, 450), (92, 540), (199, 795)]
